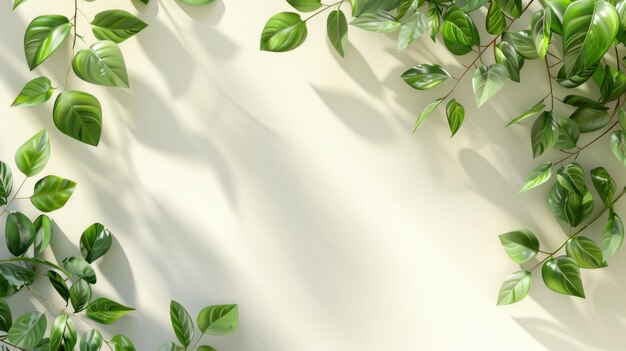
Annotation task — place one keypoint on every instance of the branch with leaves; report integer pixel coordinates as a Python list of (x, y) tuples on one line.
[(579, 43)]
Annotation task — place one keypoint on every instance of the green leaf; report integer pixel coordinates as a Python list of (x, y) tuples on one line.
[(621, 115), (505, 54), (101, 64), (585, 252), (434, 20), (562, 275), (612, 236), (43, 230), (514, 288), (80, 295), (116, 25), (91, 341), (283, 32), (17, 3), (581, 101), (544, 133), (495, 21), (52, 193), (28, 330), (589, 27), (170, 346), (219, 319), (427, 111), (488, 81), (618, 145), (540, 31), (43, 36), (380, 22), (95, 242), (6, 183), (17, 275), (590, 120), (459, 31), (19, 233), (58, 283), (569, 133), (455, 113), (470, 5), (513, 8), (193, 2), (35, 92), (80, 268), (411, 28), (572, 178), (557, 10), (32, 157), (425, 76), (523, 42), (305, 5), (63, 334), (105, 311), (407, 6), (78, 115), (182, 323), (6, 319), (206, 348), (122, 343), (604, 184), (520, 245), (568, 206), (538, 176), (575, 80), (337, 28)]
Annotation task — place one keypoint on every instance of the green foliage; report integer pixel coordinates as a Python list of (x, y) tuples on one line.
[(514, 288), (35, 92), (101, 64), (562, 275), (78, 115), (116, 25), (283, 32)]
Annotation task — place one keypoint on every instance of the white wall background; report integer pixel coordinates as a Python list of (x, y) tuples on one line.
[(292, 185)]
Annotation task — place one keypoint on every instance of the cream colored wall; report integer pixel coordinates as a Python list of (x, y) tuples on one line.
[(292, 185)]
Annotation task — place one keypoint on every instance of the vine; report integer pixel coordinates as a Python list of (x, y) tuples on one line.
[(586, 36)]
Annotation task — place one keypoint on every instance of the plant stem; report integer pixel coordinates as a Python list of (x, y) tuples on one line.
[(619, 196), (6, 207), (338, 3), (550, 81), (67, 74)]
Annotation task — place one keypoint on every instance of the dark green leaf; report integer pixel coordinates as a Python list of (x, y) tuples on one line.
[(562, 275), (544, 133), (182, 323), (514, 288), (520, 245), (101, 64), (471, 5), (218, 319), (63, 334), (35, 92), (425, 76), (6, 183), (28, 330), (337, 28), (116, 25), (495, 21), (538, 176), (523, 42), (604, 184), (505, 54), (581, 101), (572, 178), (590, 120), (105, 311), (6, 319), (78, 115), (58, 283), (80, 295), (95, 242), (557, 10), (32, 157), (459, 31), (17, 275), (455, 113), (52, 193), (43, 36), (283, 32), (43, 233), (569, 133), (80, 268), (91, 341), (585, 252), (568, 206), (122, 343), (513, 8), (206, 348), (19, 233)]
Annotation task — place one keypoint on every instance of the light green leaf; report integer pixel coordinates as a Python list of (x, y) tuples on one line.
[(80, 268), (495, 21), (572, 178), (425, 76), (570, 207), (43, 36), (193, 2), (116, 25), (52, 193), (590, 120), (206, 348), (618, 145), (337, 28), (78, 115), (305, 5), (540, 31), (105, 311), (557, 10), (182, 323), (604, 184), (562, 275), (122, 343), (589, 27), (434, 20), (101, 64), (32, 157), (585, 252), (456, 114), (91, 341), (538, 176), (470, 5), (283, 32), (459, 31), (569, 133), (514, 288), (17, 275), (544, 133), (523, 42), (35, 92), (43, 230), (219, 319), (80, 295), (505, 54), (380, 22), (6, 183), (513, 8), (411, 28), (520, 245), (427, 111), (28, 330), (487, 82), (612, 236), (63, 334), (170, 346), (19, 233), (95, 242)]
